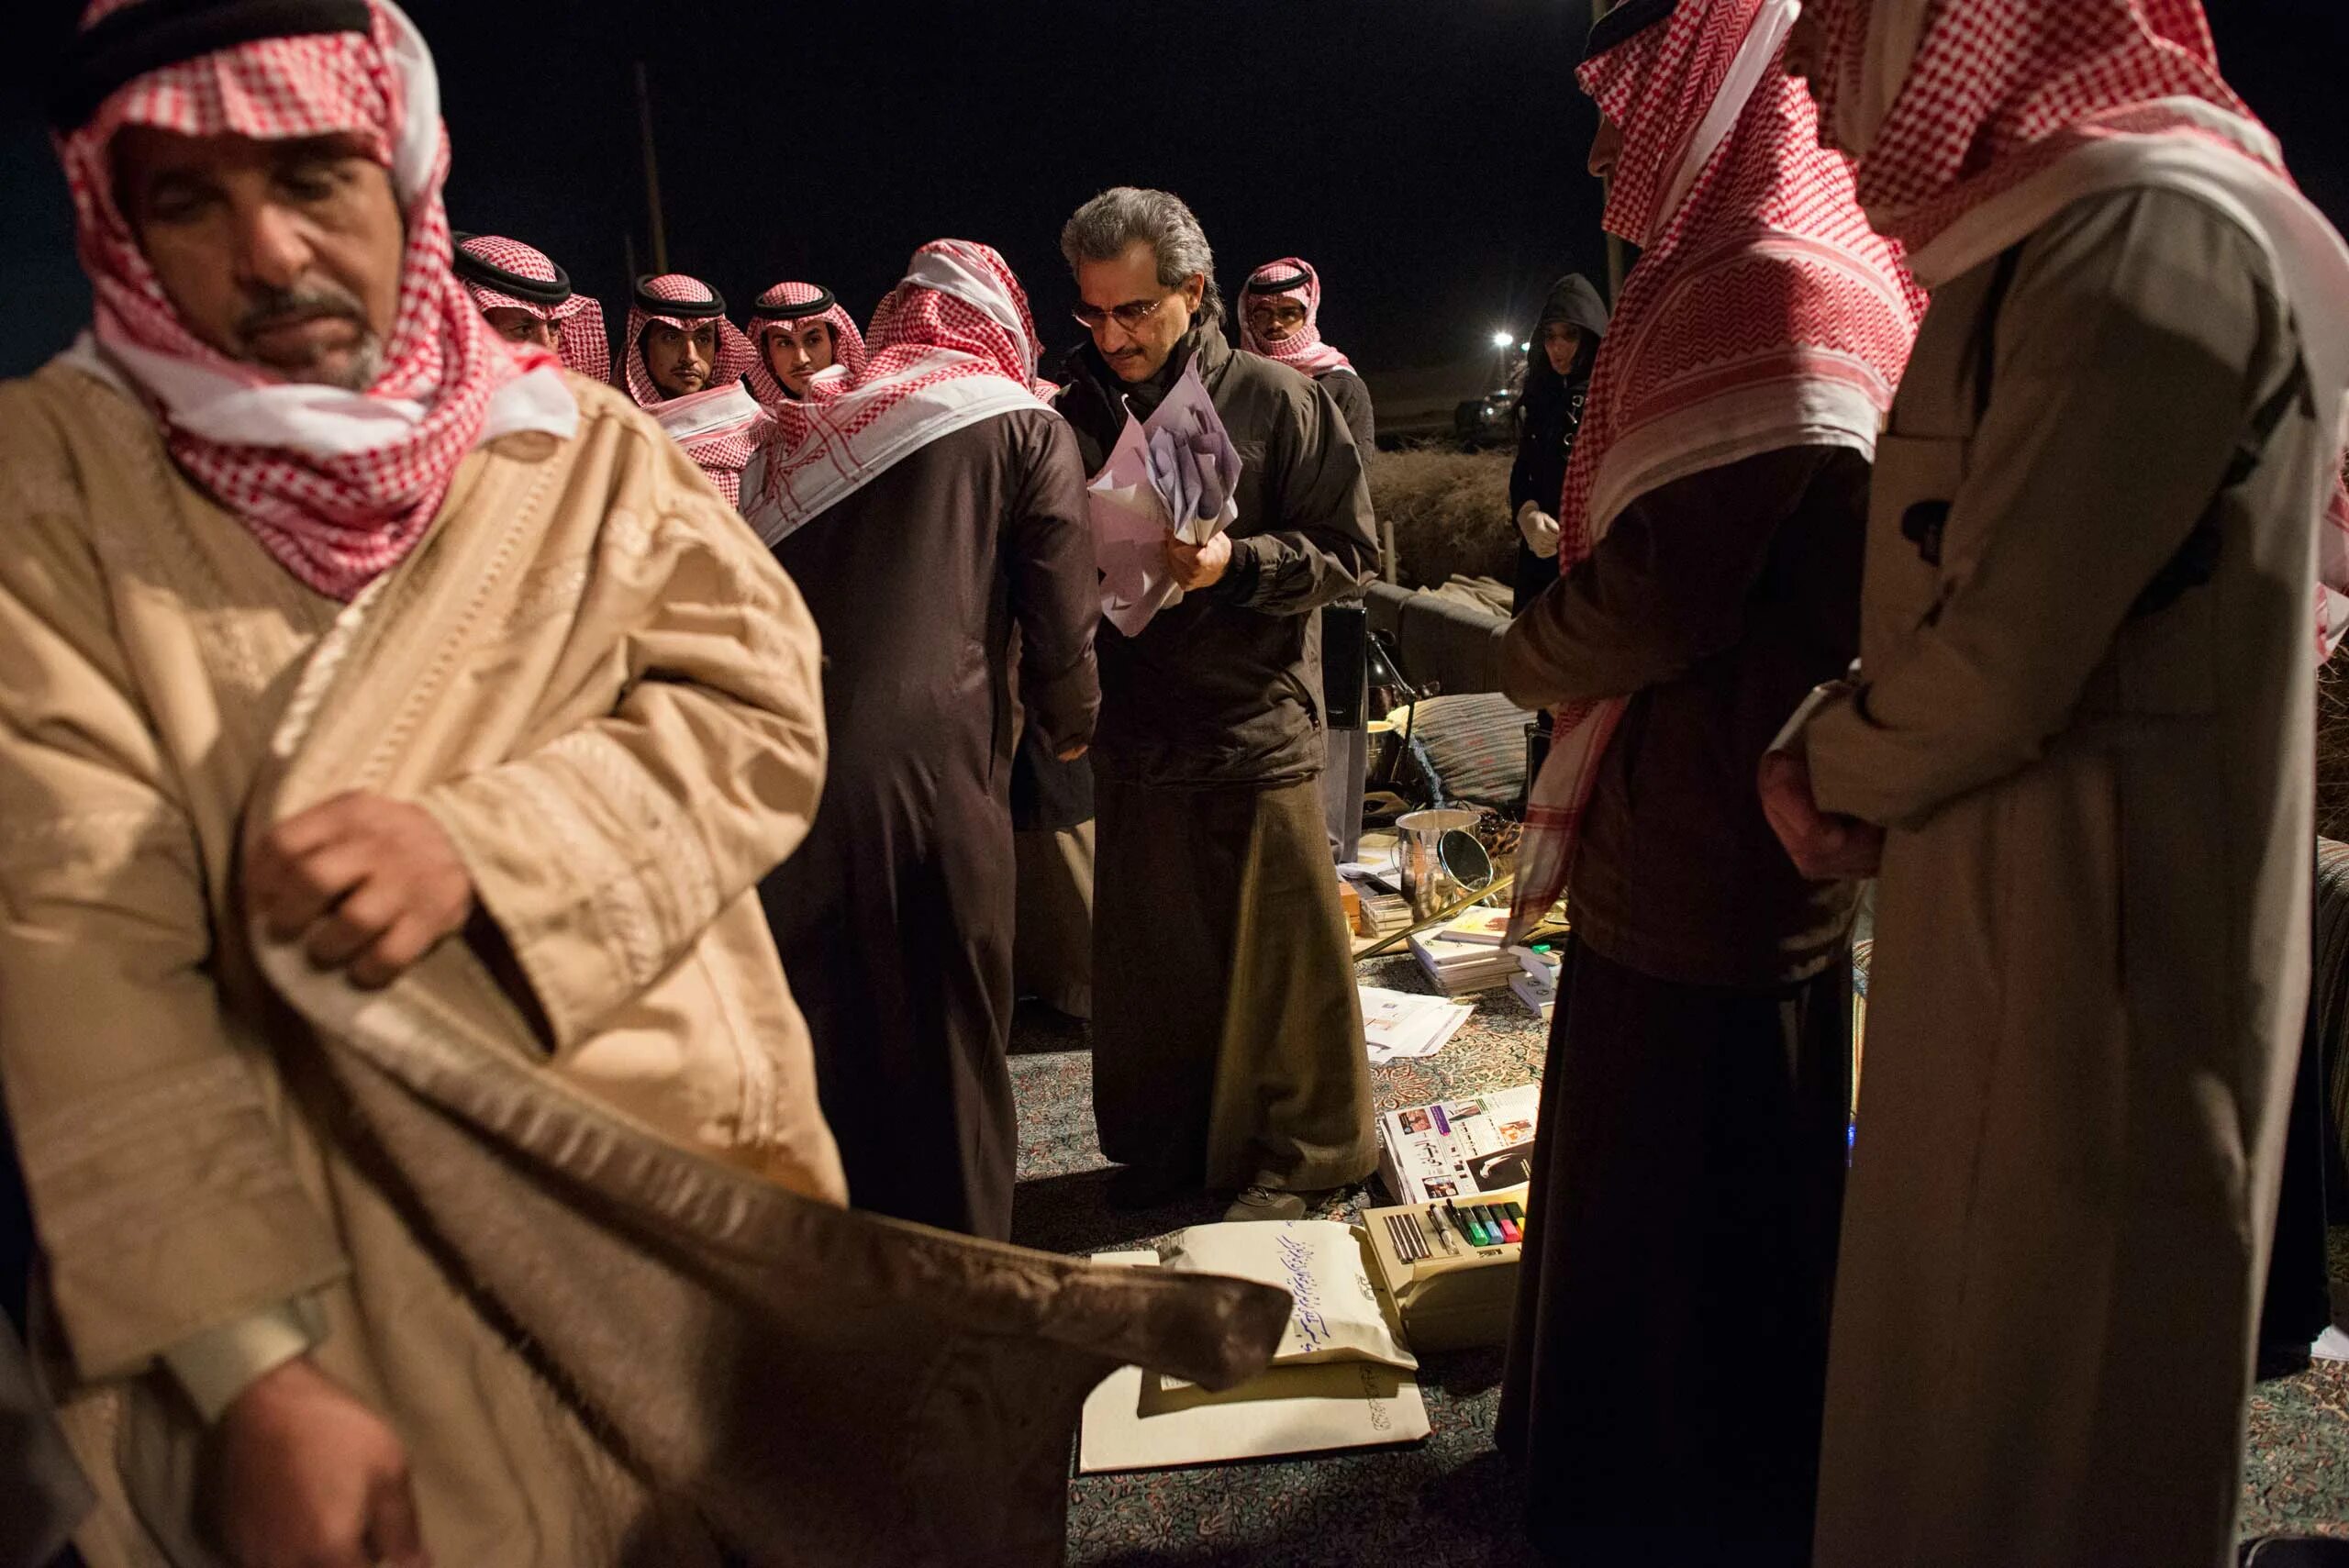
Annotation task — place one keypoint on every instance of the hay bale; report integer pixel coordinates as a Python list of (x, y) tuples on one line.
[(1450, 511)]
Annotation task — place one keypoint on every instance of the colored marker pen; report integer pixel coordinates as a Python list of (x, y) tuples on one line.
[(1509, 1231)]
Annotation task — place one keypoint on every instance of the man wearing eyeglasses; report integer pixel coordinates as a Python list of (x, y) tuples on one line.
[(1226, 1033)]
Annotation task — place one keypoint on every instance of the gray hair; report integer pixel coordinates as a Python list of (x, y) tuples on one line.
[(1113, 220)]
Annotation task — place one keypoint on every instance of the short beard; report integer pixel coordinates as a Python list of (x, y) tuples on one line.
[(360, 370)]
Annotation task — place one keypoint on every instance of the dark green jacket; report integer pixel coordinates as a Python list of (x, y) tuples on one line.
[(1225, 688)]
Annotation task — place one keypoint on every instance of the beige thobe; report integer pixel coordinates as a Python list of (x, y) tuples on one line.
[(2086, 642), (562, 1193)]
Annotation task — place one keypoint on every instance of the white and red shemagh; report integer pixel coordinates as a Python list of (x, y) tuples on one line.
[(1764, 314), (720, 425), (1977, 121), (789, 306), (337, 485), (1303, 350), (953, 344), (577, 318)]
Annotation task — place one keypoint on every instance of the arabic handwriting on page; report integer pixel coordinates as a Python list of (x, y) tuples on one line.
[(1297, 1263)]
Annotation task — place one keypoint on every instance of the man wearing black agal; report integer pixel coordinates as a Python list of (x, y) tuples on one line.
[(1227, 1032)]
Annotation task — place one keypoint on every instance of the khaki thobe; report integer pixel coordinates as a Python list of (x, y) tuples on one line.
[(2085, 718), (560, 1196)]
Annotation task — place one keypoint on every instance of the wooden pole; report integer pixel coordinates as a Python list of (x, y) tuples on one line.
[(652, 174)]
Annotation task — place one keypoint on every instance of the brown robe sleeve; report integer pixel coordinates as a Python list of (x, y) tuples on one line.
[(1665, 588), (163, 1198), (604, 854), (1055, 591), (1324, 543), (2124, 381)]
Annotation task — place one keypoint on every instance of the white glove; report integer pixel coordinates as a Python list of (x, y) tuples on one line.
[(1540, 528)]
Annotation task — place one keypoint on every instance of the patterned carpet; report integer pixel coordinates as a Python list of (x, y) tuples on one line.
[(1448, 1500)]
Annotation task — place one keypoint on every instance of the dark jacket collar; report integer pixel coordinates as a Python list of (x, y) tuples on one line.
[(1204, 343)]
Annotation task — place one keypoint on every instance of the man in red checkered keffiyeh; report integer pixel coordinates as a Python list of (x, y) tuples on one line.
[(800, 331), (684, 367), (339, 460), (932, 512), (528, 300), (1763, 313), (952, 344), (2105, 546), (1280, 318), (1711, 522)]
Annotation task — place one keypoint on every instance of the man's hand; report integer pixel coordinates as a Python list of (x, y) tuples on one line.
[(1824, 847), (1199, 565), (1540, 530), (367, 883), (306, 1476)]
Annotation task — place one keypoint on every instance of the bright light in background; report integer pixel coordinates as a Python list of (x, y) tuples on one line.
[(1503, 340)]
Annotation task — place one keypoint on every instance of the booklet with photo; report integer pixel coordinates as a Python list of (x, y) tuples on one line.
[(1455, 1148)]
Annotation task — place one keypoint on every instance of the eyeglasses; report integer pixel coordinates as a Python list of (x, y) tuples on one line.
[(1129, 315), (1278, 315)]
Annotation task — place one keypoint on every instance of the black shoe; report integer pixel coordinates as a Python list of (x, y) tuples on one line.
[(2295, 1552), (2277, 1361), (1140, 1187)]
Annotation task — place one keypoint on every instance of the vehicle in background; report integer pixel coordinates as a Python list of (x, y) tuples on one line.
[(1470, 403)]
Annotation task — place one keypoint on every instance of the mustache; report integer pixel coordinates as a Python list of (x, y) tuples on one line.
[(282, 307)]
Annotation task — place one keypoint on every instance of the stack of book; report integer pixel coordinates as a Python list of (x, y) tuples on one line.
[(1536, 983), (1383, 913), (1466, 955)]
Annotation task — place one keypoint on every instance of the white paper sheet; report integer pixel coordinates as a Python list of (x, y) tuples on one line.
[(1133, 1421), (1403, 1026), (1176, 472)]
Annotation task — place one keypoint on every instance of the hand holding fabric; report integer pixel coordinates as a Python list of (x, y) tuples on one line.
[(1824, 847), (306, 1473), (1540, 528), (366, 884)]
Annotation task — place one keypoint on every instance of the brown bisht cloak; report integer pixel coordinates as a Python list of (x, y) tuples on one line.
[(560, 1197)]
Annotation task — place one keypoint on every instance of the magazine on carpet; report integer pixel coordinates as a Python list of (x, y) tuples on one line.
[(1402, 1026), (1455, 1148)]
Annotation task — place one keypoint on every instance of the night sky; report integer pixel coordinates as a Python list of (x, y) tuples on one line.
[(1425, 154)]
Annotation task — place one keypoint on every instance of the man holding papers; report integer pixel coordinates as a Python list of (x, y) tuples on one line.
[(1228, 1046)]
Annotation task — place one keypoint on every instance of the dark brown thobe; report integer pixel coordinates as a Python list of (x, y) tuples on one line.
[(894, 918), (1690, 1165)]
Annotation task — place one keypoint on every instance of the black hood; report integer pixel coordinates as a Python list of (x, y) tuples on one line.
[(1573, 299)]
